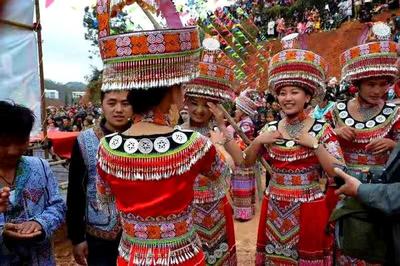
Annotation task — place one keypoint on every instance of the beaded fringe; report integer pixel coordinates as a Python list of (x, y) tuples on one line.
[(150, 72), (161, 254), (303, 196), (379, 133), (153, 167)]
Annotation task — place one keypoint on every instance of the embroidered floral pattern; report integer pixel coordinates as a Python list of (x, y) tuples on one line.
[(156, 43), (124, 46)]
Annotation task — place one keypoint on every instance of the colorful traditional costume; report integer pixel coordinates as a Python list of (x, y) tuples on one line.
[(369, 60), (151, 177), (244, 178), (213, 215), (295, 212)]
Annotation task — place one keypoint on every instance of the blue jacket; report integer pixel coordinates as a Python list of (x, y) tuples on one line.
[(36, 198)]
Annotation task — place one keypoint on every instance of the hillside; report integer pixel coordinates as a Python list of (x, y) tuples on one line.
[(65, 91), (332, 43)]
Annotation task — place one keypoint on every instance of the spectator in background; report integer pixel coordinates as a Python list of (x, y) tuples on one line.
[(66, 124), (270, 116), (271, 28), (88, 122), (357, 9), (280, 27), (36, 208), (51, 125)]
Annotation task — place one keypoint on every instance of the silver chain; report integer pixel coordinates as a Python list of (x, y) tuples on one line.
[(368, 112), (293, 130)]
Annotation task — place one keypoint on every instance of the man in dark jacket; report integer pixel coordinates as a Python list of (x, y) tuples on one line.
[(383, 197), (94, 232)]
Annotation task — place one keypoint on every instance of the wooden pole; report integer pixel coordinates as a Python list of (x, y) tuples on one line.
[(38, 30), (17, 24)]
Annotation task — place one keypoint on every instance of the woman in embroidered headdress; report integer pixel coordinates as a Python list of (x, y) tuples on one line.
[(244, 178), (295, 211), (150, 169), (367, 126), (213, 215)]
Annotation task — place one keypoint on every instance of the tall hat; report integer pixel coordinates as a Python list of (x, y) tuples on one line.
[(376, 56), (215, 80), (249, 101), (148, 58), (297, 67)]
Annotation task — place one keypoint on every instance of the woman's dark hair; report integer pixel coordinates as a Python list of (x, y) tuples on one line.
[(144, 100), (16, 121)]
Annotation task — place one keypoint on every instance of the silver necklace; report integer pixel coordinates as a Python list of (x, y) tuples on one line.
[(294, 129), (368, 112)]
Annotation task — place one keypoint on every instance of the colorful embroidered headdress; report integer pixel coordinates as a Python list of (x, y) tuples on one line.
[(297, 67), (249, 101), (376, 56), (149, 58), (215, 80)]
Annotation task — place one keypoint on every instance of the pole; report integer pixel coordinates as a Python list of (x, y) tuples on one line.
[(38, 30)]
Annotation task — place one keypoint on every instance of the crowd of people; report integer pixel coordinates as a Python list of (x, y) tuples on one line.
[(165, 171), (330, 17), (72, 118)]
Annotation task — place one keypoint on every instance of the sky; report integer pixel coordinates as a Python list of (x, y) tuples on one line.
[(65, 51)]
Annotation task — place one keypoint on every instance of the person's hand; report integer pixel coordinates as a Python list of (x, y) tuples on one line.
[(345, 132), (306, 140), (25, 230), (217, 113), (217, 137), (4, 198), (350, 186), (269, 137), (377, 146), (81, 252)]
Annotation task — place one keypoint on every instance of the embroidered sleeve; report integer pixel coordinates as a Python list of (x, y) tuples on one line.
[(331, 142), (217, 170), (53, 215)]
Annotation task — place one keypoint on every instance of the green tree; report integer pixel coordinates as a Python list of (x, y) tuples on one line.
[(94, 85)]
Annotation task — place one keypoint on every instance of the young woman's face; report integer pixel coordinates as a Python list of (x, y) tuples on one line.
[(373, 90), (198, 110), (292, 100)]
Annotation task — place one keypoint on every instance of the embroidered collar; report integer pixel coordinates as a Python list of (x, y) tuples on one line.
[(152, 157)]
